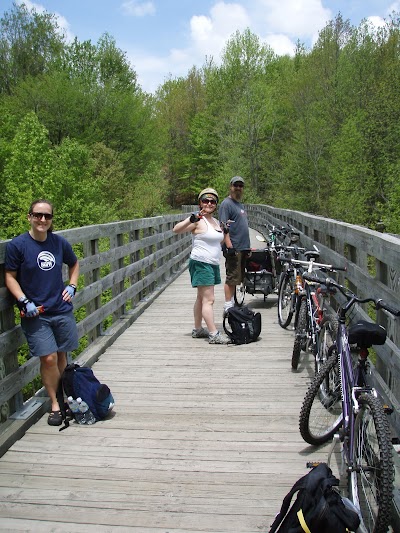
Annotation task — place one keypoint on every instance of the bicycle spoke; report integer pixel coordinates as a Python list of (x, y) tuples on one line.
[(240, 294), (285, 300), (371, 483), (321, 412)]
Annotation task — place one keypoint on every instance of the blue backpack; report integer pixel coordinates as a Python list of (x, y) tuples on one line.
[(80, 382)]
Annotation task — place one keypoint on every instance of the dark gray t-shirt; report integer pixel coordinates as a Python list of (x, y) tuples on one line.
[(233, 211)]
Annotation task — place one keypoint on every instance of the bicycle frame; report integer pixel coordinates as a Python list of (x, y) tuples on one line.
[(353, 383)]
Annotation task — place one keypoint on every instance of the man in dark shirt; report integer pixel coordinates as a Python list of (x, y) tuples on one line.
[(233, 219)]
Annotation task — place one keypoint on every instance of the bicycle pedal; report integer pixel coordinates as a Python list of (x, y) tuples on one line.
[(387, 409), (313, 464)]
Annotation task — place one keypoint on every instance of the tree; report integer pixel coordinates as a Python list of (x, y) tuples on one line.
[(30, 44), (26, 174)]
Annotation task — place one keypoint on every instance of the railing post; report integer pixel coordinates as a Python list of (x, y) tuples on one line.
[(9, 358), (91, 248), (160, 262), (117, 288), (134, 257), (148, 250)]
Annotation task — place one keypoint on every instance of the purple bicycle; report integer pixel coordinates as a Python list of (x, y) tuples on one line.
[(341, 403)]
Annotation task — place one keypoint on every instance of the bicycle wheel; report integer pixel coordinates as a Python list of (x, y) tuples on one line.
[(326, 340), (321, 412), (286, 297), (372, 476), (301, 334), (239, 294)]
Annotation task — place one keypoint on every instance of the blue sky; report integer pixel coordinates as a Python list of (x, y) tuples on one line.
[(167, 37)]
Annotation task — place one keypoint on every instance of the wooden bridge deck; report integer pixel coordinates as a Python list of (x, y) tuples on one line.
[(203, 438)]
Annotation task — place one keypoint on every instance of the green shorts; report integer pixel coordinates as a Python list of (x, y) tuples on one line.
[(203, 274)]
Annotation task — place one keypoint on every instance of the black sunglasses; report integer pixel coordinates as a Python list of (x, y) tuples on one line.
[(238, 184), (209, 201), (39, 216)]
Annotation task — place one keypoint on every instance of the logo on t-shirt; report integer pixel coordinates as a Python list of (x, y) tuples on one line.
[(46, 261)]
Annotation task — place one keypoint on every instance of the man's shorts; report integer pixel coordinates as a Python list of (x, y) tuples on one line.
[(204, 274), (47, 334), (234, 267)]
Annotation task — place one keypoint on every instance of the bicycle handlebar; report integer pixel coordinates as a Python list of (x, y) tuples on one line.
[(314, 264), (380, 304), (351, 297)]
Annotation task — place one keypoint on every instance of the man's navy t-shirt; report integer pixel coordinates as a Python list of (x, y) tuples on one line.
[(238, 226), (39, 269)]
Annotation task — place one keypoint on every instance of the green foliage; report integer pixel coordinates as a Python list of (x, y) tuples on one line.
[(148, 197), (316, 132), (26, 174), (30, 44)]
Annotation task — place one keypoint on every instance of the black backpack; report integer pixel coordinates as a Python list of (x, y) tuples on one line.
[(245, 325), (318, 507), (80, 382)]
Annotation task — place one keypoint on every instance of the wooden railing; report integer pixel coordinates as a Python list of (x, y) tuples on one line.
[(123, 267), (373, 270)]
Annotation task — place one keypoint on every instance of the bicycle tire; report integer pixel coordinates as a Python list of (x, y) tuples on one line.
[(326, 340), (321, 412), (301, 332), (239, 294), (371, 479), (285, 300)]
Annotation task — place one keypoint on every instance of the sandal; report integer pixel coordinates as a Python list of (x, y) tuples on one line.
[(68, 412), (55, 418)]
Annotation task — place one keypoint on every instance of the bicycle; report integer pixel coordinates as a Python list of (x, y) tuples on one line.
[(340, 403), (315, 329), (290, 285)]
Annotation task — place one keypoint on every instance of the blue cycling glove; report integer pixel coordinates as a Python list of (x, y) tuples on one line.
[(27, 307), (71, 290)]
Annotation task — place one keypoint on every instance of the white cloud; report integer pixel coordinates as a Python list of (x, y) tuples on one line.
[(376, 22), (393, 7), (296, 18), (209, 33), (280, 44), (138, 9)]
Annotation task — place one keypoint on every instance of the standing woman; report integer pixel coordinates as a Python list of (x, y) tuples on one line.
[(204, 263), (33, 266)]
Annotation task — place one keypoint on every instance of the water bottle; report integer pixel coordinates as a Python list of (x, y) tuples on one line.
[(74, 406), (87, 415)]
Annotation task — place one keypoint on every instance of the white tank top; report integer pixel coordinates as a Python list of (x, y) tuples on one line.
[(206, 247)]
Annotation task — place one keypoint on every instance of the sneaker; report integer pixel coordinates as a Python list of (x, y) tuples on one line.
[(218, 338), (226, 309), (201, 333)]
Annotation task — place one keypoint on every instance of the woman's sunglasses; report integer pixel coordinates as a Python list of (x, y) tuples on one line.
[(209, 201), (39, 216)]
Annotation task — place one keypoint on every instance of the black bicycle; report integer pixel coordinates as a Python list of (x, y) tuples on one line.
[(290, 285), (315, 328)]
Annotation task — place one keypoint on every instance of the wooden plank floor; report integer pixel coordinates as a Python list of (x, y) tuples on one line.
[(203, 438)]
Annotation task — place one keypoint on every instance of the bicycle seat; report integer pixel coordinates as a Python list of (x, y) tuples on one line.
[(311, 254), (365, 334)]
